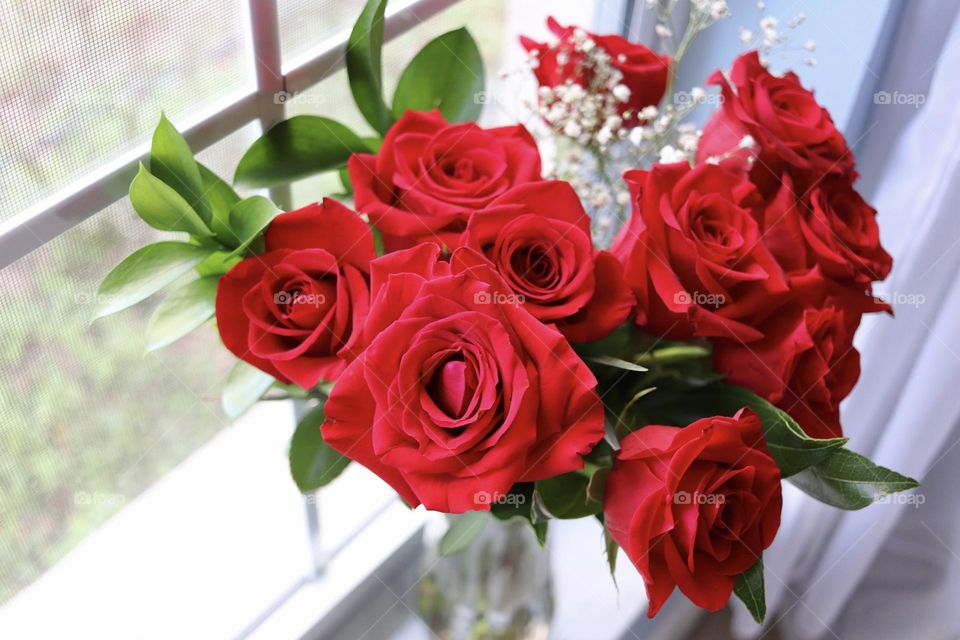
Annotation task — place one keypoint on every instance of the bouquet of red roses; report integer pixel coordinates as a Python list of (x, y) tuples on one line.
[(460, 326)]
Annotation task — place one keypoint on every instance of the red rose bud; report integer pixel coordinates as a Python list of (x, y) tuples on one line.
[(537, 236), (461, 392), (692, 252), (694, 507), (644, 73), (429, 176), (293, 310)]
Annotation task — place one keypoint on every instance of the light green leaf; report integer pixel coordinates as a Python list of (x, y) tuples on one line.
[(172, 162), (313, 463), (617, 363), (297, 148), (245, 385), (847, 480), (251, 216), (447, 74), (162, 207), (749, 588), (181, 312), (611, 548), (218, 263), (221, 197), (144, 272), (364, 67), (464, 529), (673, 353)]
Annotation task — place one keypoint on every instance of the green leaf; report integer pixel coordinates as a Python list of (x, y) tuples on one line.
[(611, 548), (251, 216), (296, 148), (364, 67), (673, 353), (520, 503), (181, 312), (313, 463), (144, 272), (218, 263), (793, 449), (617, 363), (464, 529), (221, 197), (162, 207), (447, 74), (172, 162), (847, 480), (566, 496), (749, 588), (245, 385)]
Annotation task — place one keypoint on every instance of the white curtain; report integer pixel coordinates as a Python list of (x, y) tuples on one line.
[(893, 570)]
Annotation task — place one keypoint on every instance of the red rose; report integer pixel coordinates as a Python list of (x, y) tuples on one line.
[(694, 507), (293, 311), (429, 176), (644, 72), (829, 226), (537, 236), (692, 253), (805, 364), (788, 125), (461, 392)]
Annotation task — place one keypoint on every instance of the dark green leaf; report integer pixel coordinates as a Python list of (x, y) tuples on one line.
[(566, 497), (464, 529), (144, 272), (520, 503), (364, 67), (245, 385), (221, 197), (611, 548), (749, 588), (172, 162), (447, 74), (313, 463), (181, 312), (251, 216), (162, 207), (847, 480), (297, 148)]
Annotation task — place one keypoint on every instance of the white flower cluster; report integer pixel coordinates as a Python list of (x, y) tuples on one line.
[(590, 114), (772, 38)]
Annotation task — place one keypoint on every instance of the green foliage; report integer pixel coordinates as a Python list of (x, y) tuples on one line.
[(313, 463), (847, 480), (144, 272), (447, 74), (181, 312), (567, 496), (749, 588), (522, 502), (463, 530), (245, 385), (172, 162), (296, 148), (249, 218), (365, 68), (162, 207)]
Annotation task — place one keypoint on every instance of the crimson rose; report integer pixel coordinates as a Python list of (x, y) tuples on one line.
[(538, 237), (294, 310), (694, 507), (644, 72), (461, 392), (430, 175), (692, 252), (788, 125)]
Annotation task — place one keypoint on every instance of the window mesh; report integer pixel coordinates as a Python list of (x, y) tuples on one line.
[(87, 420), (83, 81), (304, 24)]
